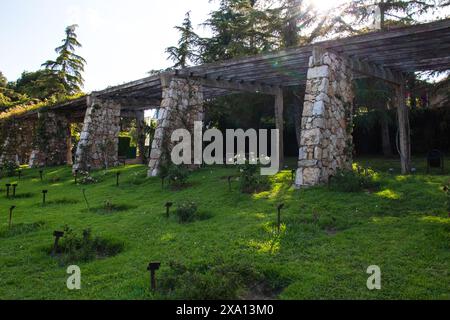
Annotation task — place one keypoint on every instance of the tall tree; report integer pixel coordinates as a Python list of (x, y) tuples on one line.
[(360, 13), (68, 67), (186, 52)]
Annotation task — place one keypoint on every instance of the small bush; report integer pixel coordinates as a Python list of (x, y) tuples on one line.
[(354, 181), (76, 248), (11, 168), (178, 175), (250, 179), (86, 178), (186, 212)]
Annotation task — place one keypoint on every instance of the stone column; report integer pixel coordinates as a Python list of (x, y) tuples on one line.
[(326, 138), (50, 140), (181, 106), (99, 141), (17, 140), (140, 128)]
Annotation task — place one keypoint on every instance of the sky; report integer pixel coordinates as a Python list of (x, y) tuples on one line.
[(122, 40)]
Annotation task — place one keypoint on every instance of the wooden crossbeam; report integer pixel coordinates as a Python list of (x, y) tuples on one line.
[(373, 70), (233, 84)]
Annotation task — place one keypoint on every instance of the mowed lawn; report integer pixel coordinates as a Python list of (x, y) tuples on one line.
[(328, 238)]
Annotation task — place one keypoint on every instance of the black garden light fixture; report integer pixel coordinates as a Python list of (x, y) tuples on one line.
[(14, 186), (117, 178), (19, 173), (391, 170), (293, 171), (168, 205), (279, 208), (89, 169), (229, 182), (11, 209), (41, 174), (8, 186), (44, 193), (75, 175), (152, 267), (58, 235)]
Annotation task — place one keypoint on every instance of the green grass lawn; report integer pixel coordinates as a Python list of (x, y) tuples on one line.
[(328, 238)]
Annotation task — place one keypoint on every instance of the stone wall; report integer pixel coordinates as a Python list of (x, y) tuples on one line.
[(51, 140), (326, 138), (99, 140), (17, 140), (181, 106)]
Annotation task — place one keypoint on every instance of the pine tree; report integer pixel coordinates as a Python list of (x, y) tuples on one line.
[(187, 51), (66, 71)]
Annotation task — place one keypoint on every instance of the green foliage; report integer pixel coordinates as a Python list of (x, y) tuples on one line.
[(86, 178), (11, 168), (82, 248), (186, 212), (186, 52), (214, 280), (354, 180), (403, 223), (67, 69), (176, 175), (250, 179)]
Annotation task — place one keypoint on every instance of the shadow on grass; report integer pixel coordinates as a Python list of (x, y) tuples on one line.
[(109, 208), (20, 229)]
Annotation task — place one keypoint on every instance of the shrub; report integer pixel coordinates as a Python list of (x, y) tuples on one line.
[(186, 212), (178, 175), (74, 248), (86, 178), (250, 180), (354, 181), (11, 168)]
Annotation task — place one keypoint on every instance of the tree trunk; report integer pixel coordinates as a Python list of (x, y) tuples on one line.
[(385, 137)]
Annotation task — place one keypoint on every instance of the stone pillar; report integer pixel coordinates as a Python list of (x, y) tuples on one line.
[(99, 140), (326, 138), (181, 106), (50, 140), (17, 140), (140, 128)]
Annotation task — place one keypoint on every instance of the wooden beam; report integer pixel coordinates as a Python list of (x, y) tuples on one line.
[(233, 85), (279, 122), (373, 70)]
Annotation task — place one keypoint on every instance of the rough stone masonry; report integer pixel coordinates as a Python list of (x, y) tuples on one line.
[(51, 140), (99, 139), (326, 138), (181, 106)]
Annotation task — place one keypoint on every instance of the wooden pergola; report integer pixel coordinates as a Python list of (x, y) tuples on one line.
[(385, 55)]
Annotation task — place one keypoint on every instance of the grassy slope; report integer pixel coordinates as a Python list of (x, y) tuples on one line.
[(404, 229)]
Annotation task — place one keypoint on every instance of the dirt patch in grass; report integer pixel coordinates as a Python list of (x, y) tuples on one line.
[(23, 195), (85, 247), (110, 208), (63, 201), (20, 229), (262, 291)]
